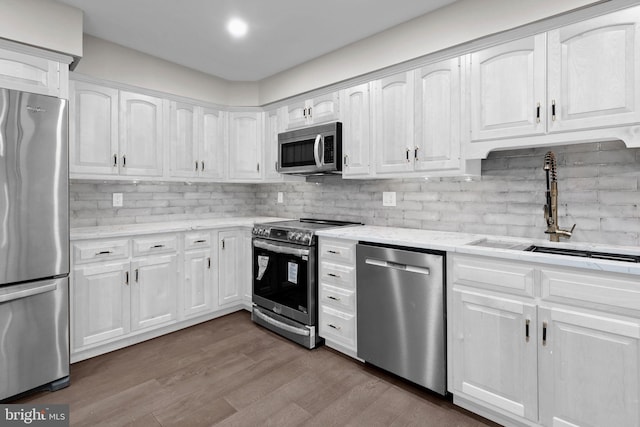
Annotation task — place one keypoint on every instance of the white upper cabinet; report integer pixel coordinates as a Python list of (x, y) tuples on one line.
[(594, 72), (321, 109), (22, 69), (197, 144), (274, 120), (437, 116), (393, 130), (93, 130), (355, 107), (184, 144), (507, 89), (245, 145), (141, 134)]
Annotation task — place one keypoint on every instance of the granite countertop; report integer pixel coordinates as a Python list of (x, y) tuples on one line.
[(126, 230), (496, 246)]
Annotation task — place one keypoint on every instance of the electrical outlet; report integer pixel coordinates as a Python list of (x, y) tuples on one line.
[(118, 200), (280, 197), (388, 198)]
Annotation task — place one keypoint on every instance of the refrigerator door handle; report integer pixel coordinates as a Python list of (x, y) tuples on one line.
[(27, 291)]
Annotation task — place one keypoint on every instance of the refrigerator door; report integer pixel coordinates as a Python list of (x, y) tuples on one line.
[(34, 200)]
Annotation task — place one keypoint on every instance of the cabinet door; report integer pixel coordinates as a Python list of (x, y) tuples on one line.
[(197, 297), (245, 145), (393, 130), (211, 143), (594, 72), (437, 124), (29, 73), (588, 362), (493, 359), (153, 296), (184, 144), (507, 89), (229, 266), (324, 108), (297, 115), (140, 135), (356, 130), (273, 125), (93, 136), (100, 303)]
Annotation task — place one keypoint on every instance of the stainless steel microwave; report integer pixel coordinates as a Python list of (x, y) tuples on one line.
[(316, 150)]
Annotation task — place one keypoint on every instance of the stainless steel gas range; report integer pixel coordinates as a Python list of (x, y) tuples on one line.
[(285, 277)]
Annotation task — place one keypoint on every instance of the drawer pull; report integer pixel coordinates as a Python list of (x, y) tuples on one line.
[(156, 247), (334, 252), (200, 241), (337, 328), (333, 275), (104, 252), (333, 298)]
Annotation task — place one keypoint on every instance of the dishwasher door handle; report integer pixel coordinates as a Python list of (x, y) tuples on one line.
[(398, 266)]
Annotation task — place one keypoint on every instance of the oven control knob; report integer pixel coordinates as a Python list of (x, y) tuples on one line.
[(306, 239)]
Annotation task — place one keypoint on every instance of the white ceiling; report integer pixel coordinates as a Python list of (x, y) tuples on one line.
[(282, 33)]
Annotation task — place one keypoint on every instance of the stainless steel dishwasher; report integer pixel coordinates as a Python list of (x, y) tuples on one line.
[(401, 315)]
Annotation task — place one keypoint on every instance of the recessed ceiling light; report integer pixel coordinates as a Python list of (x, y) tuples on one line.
[(237, 27)]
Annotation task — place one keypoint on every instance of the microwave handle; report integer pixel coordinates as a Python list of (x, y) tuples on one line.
[(316, 150)]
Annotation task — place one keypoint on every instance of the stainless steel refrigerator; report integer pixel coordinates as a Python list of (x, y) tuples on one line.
[(34, 243)]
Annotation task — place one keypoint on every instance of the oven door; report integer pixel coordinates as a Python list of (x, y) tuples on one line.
[(284, 279)]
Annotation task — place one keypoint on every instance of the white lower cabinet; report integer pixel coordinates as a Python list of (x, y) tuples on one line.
[(569, 355), (337, 294), (200, 282), (153, 291), (235, 268)]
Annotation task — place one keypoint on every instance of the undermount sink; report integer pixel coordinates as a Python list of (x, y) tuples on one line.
[(584, 254), (500, 244)]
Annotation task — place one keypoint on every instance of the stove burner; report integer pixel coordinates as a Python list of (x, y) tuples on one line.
[(300, 232)]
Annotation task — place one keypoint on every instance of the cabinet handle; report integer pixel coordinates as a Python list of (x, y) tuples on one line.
[(156, 246), (544, 333), (126, 278), (526, 330), (334, 252), (202, 165), (137, 275), (196, 166), (115, 160), (258, 167), (408, 155), (415, 153), (223, 244), (200, 241), (346, 160), (538, 112), (124, 161), (553, 110), (309, 111), (209, 263), (333, 275), (333, 298), (275, 166), (304, 113), (334, 326), (104, 253)]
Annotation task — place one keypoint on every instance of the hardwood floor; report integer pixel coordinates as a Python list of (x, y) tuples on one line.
[(231, 372)]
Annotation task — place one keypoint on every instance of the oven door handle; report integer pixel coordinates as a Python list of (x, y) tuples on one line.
[(316, 150), (281, 325), (280, 249)]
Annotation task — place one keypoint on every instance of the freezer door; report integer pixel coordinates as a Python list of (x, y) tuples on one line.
[(34, 201)]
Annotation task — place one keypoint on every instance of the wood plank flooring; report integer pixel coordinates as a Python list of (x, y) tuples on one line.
[(231, 372)]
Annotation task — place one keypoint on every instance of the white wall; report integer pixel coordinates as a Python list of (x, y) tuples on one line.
[(457, 23), (46, 24), (114, 62)]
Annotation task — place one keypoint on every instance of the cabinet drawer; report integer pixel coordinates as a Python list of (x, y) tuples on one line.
[(337, 274), (338, 251), (100, 250), (197, 240), (492, 273), (606, 290), (337, 326), (337, 297), (155, 245)]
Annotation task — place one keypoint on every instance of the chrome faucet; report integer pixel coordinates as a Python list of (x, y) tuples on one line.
[(551, 208)]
